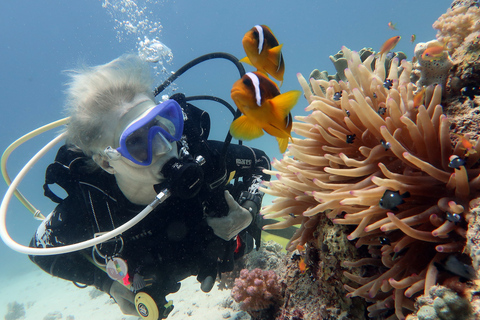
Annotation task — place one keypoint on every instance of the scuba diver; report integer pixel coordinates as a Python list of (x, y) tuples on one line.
[(124, 150)]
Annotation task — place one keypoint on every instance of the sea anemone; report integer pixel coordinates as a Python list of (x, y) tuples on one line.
[(365, 137)]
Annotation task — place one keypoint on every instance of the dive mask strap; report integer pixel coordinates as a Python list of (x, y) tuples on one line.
[(112, 154)]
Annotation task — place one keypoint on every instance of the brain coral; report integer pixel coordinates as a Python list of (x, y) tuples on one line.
[(456, 24), (355, 148)]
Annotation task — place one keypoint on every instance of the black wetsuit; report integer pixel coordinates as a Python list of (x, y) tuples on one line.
[(171, 243)]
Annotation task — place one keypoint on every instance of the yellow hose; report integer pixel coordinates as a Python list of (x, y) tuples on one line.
[(16, 144)]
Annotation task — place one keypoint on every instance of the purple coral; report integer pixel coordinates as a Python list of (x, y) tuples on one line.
[(257, 289)]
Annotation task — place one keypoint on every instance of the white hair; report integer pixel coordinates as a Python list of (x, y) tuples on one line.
[(95, 96)]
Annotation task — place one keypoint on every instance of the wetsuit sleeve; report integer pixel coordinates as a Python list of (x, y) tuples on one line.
[(65, 225), (248, 164)]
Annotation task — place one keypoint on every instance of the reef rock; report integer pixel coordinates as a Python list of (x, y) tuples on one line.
[(432, 71)]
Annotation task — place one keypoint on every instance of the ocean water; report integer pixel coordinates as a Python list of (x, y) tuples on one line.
[(39, 40)]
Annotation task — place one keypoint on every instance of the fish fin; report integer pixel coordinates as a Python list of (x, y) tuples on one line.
[(282, 144), (243, 128), (265, 73), (275, 53), (283, 103), (247, 61)]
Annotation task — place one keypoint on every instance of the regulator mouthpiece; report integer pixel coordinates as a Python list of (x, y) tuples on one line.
[(184, 177)]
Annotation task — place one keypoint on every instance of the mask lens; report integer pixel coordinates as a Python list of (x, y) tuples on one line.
[(137, 144), (152, 134), (160, 145), (165, 124)]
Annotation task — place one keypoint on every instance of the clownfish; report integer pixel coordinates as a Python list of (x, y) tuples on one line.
[(389, 45), (263, 51), (263, 108)]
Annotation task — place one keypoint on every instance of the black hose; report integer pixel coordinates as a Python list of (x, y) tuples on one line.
[(194, 62), (220, 100)]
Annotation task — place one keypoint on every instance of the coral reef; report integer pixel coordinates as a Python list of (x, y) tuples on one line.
[(442, 304), (340, 64), (456, 24), (465, 76), (269, 257), (15, 311), (258, 291), (317, 293), (359, 144), (431, 71)]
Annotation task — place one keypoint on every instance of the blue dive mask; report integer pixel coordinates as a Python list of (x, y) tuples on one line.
[(150, 133)]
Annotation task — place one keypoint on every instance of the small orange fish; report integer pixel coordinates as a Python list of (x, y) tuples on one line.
[(263, 108), (300, 247), (302, 266), (389, 45), (435, 52), (418, 98), (466, 145), (263, 51), (412, 38), (392, 26)]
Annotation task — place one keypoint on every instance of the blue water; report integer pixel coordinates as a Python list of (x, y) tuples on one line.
[(41, 39)]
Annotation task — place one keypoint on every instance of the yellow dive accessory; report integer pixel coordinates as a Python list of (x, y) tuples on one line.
[(146, 306)]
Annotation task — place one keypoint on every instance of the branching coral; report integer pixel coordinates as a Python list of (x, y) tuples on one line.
[(455, 25), (256, 289), (355, 148)]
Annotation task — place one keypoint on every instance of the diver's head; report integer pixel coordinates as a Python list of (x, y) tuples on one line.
[(97, 98), (116, 121), (143, 140)]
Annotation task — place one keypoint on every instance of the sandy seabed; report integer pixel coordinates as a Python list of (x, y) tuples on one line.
[(48, 298)]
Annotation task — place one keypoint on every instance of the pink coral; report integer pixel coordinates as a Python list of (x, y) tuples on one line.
[(455, 25), (257, 289)]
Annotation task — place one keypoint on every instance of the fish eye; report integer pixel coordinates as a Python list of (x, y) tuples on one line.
[(255, 33), (247, 81)]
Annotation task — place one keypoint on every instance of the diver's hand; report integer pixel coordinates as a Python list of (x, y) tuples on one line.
[(238, 218), (124, 298)]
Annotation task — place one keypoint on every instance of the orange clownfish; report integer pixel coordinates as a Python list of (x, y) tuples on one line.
[(263, 108), (263, 51), (389, 45), (434, 52)]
